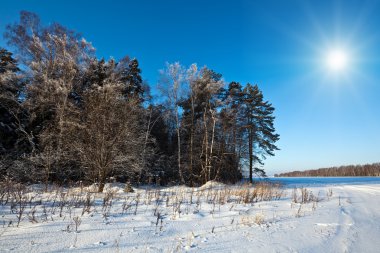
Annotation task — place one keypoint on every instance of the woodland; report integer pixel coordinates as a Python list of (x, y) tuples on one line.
[(68, 117)]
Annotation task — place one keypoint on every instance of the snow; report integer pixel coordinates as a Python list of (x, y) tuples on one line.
[(211, 218), (212, 184)]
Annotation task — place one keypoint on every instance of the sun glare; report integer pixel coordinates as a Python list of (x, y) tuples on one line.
[(337, 60)]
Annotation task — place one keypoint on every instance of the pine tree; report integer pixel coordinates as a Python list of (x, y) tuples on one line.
[(231, 133), (259, 128), (12, 115), (130, 76), (7, 62)]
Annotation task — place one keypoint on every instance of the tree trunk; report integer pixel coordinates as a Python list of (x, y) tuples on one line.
[(250, 156), (192, 141), (102, 182), (102, 179), (179, 147), (212, 141), (147, 132), (207, 176), (101, 186)]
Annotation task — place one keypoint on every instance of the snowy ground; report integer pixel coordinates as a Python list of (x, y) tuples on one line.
[(179, 219)]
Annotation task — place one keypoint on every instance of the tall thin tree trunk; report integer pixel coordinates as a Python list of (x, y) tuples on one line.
[(192, 140), (179, 147), (207, 176), (221, 154), (48, 169), (212, 141), (250, 155), (144, 147)]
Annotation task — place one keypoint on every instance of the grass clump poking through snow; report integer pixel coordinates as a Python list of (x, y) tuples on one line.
[(303, 195)]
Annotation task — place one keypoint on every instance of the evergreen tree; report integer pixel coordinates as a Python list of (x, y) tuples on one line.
[(231, 133), (7, 62), (96, 73), (12, 116), (130, 76), (259, 128)]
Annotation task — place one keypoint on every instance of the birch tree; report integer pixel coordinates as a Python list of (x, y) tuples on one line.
[(172, 85)]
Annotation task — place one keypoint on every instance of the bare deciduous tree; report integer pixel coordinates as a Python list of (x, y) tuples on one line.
[(172, 80), (108, 134), (54, 57)]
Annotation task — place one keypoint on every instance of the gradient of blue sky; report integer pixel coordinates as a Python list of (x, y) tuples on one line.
[(324, 118)]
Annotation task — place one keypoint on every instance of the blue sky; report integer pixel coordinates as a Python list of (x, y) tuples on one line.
[(325, 118)]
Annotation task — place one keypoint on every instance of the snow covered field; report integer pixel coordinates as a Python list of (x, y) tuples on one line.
[(211, 218)]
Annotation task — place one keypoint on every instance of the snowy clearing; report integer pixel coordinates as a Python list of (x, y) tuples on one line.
[(211, 218)]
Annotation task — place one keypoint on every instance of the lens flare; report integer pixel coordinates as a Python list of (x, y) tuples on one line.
[(337, 60)]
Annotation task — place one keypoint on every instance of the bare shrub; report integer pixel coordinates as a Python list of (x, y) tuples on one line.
[(77, 221), (20, 201), (329, 193), (6, 189), (298, 214), (126, 206), (137, 201), (305, 196), (32, 215), (259, 219), (128, 187), (87, 204)]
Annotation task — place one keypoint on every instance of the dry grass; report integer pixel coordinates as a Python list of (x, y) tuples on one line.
[(71, 203), (303, 195)]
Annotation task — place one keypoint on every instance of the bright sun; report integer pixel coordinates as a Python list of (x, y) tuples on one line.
[(337, 60)]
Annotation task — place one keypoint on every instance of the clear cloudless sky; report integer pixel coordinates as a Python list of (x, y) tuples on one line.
[(324, 117)]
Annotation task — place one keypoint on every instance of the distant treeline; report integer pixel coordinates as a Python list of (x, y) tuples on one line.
[(342, 171)]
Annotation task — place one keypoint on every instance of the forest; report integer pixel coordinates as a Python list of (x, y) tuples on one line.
[(67, 116), (367, 170)]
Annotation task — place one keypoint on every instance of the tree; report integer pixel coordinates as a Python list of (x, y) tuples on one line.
[(162, 163), (259, 128), (9, 91), (172, 80), (7, 62), (14, 138), (189, 120), (130, 76), (200, 116), (209, 87), (107, 135), (231, 133), (54, 58)]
